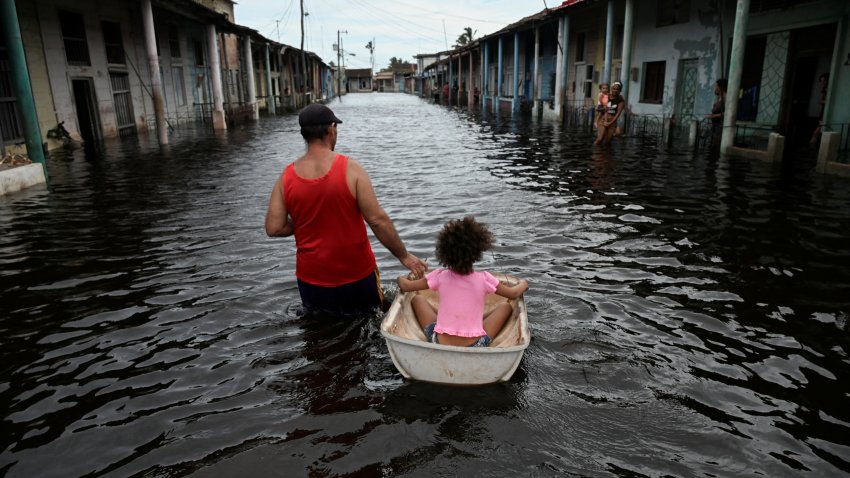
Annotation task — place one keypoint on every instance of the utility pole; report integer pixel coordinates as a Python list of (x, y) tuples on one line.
[(278, 30), (338, 65), (303, 58)]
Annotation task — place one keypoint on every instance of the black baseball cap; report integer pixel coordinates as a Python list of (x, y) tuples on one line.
[(317, 114)]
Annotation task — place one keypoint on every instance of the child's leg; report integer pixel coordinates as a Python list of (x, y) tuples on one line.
[(426, 314), (495, 320)]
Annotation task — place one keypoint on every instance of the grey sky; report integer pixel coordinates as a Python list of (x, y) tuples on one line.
[(400, 28)]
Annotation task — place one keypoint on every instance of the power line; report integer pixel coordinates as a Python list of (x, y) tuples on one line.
[(394, 16), (447, 15), (394, 24), (278, 17)]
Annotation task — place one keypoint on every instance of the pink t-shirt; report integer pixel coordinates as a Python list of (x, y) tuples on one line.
[(461, 310)]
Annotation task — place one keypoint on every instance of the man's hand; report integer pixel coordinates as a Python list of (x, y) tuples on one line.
[(416, 265)]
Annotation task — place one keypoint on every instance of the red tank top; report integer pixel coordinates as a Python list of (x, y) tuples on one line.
[(332, 247)]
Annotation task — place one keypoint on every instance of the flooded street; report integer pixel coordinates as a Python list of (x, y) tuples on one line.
[(689, 315)]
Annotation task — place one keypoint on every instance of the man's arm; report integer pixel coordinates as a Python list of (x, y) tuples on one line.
[(278, 222), (379, 221)]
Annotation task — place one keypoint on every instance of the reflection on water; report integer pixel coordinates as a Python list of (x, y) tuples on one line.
[(689, 314)]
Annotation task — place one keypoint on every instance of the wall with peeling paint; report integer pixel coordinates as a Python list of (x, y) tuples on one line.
[(698, 39)]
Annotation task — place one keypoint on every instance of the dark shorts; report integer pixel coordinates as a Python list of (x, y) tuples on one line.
[(356, 297), (483, 341)]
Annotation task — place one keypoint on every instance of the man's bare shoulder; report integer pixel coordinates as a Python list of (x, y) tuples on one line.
[(354, 167)]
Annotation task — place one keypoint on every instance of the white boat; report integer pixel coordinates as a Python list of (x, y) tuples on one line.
[(419, 359)]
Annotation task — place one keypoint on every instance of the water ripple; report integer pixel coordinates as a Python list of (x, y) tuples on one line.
[(689, 313)]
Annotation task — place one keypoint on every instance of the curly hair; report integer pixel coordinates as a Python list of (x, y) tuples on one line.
[(461, 243)]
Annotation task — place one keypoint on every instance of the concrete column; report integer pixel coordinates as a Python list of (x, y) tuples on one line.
[(515, 101), (271, 101), (459, 78), (609, 44), (499, 76), (218, 118), (484, 88), (693, 132), (837, 63), (156, 77), (628, 34), (21, 81), (565, 64), (736, 66), (249, 77), (828, 151), (470, 98), (560, 81), (775, 147), (449, 81), (535, 82), (481, 73)]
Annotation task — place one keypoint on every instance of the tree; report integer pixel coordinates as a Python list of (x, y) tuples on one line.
[(396, 62), (371, 47), (466, 37)]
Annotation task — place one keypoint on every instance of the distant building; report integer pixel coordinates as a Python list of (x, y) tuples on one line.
[(404, 78), (359, 80), (384, 80)]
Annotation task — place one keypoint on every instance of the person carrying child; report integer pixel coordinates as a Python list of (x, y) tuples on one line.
[(601, 104), (460, 319), (608, 128)]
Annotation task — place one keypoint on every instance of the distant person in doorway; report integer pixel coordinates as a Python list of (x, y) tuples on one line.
[(823, 82), (717, 111), (323, 198), (601, 104), (460, 319), (446, 93), (608, 128)]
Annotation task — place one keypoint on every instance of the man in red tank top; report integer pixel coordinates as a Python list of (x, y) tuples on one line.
[(323, 198)]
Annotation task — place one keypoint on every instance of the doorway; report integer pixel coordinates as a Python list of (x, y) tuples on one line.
[(811, 51), (687, 90), (86, 105)]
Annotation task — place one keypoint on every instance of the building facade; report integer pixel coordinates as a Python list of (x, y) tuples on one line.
[(90, 66)]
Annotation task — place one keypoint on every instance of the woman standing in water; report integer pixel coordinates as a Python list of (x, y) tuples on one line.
[(608, 122), (717, 110)]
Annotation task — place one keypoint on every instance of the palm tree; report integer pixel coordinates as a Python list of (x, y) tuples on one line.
[(466, 37), (371, 47)]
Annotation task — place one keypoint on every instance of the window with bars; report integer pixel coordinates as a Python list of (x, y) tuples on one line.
[(74, 37), (112, 42), (588, 81), (11, 130), (123, 100), (653, 82)]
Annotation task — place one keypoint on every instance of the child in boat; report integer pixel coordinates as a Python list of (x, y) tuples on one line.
[(460, 319), (601, 103)]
